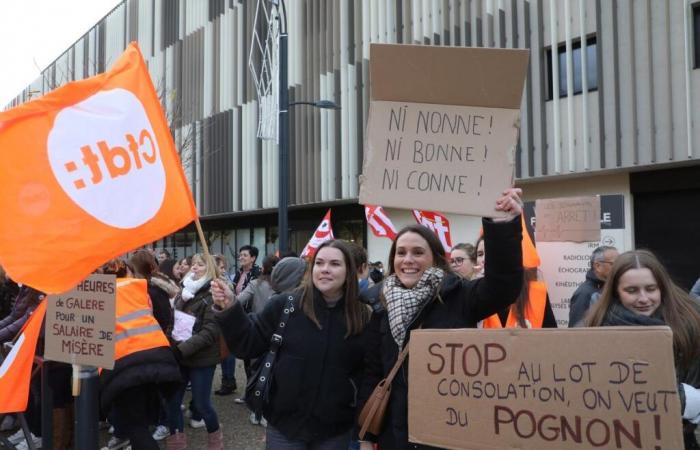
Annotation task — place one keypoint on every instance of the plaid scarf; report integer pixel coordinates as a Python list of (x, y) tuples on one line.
[(403, 304)]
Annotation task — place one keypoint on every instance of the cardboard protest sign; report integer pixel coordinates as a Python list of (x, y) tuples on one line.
[(80, 323), (544, 389), (443, 126), (574, 219)]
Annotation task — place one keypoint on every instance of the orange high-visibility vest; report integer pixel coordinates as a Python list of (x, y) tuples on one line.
[(534, 313), (136, 329)]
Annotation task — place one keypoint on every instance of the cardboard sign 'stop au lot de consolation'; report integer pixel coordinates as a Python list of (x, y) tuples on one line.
[(443, 127), (546, 389)]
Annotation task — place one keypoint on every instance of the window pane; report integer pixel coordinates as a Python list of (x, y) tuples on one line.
[(562, 74), (592, 66), (577, 70)]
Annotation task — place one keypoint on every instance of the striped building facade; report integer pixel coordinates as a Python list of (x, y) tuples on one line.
[(609, 105)]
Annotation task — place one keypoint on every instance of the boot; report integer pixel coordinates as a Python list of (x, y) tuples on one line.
[(228, 387), (177, 441), (215, 440)]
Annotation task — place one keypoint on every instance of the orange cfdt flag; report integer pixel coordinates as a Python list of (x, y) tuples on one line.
[(16, 369), (89, 171)]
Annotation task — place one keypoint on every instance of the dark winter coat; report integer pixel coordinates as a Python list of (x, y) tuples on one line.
[(462, 304), (582, 296), (155, 367), (314, 383), (202, 349), (8, 295), (249, 276), (27, 301), (161, 290)]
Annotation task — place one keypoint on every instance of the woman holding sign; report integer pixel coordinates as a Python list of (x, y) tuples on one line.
[(422, 291), (639, 292)]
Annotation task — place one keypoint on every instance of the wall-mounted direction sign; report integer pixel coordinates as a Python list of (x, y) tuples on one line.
[(80, 323)]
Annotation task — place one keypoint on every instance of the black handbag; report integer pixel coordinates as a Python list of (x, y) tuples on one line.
[(258, 388)]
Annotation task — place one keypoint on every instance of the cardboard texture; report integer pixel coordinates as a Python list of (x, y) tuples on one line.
[(544, 389), (443, 126), (573, 219), (80, 323)]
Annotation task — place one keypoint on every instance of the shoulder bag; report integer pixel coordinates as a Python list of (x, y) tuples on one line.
[(258, 388), (372, 414)]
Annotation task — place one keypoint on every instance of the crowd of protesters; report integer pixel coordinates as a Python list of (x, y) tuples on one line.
[(336, 325)]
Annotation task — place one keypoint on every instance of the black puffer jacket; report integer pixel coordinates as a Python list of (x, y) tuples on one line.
[(156, 367), (27, 301), (314, 383), (581, 298), (463, 304)]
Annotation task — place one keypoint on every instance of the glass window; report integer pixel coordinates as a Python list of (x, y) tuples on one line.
[(591, 68)]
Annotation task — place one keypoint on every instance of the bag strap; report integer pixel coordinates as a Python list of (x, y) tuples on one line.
[(399, 361), (275, 343)]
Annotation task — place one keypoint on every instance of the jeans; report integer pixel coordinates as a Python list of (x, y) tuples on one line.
[(278, 441), (201, 379), (228, 368)]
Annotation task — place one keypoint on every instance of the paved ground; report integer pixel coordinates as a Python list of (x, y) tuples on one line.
[(239, 434)]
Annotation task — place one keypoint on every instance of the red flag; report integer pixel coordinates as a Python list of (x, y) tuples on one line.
[(438, 224), (16, 369), (323, 233), (379, 222)]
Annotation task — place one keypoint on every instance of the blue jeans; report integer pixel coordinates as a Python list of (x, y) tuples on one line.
[(201, 379), (228, 368), (277, 441)]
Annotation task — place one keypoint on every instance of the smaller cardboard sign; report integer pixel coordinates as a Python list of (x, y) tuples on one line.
[(443, 126), (80, 323), (573, 219), (544, 389)]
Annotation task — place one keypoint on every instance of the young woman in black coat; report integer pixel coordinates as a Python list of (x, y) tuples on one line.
[(314, 380), (422, 290), (639, 292)]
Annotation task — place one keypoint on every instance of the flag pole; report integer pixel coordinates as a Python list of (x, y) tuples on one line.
[(207, 255)]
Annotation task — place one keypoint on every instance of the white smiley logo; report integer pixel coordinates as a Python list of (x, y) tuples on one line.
[(105, 156)]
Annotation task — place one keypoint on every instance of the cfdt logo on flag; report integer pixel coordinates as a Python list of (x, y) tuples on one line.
[(102, 151)]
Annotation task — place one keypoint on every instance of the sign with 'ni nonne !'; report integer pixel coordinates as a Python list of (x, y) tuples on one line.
[(528, 389), (443, 126), (80, 323)]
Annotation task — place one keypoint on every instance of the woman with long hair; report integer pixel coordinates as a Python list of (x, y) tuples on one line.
[(315, 377), (423, 291), (640, 292), (197, 351), (463, 260)]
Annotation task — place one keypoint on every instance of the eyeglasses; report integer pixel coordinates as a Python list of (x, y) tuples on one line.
[(458, 261), (606, 262)]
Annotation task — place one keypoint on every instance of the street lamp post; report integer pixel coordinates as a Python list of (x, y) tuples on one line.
[(283, 128)]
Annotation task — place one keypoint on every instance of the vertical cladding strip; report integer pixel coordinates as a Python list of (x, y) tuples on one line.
[(687, 49), (633, 130), (555, 145), (323, 75), (584, 85), (651, 129), (542, 116), (338, 97), (569, 85), (346, 88)]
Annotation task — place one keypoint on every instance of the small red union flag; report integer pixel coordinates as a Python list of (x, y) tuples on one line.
[(438, 224), (379, 222), (323, 233)]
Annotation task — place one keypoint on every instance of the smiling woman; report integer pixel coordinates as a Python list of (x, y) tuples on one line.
[(313, 384), (423, 291)]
